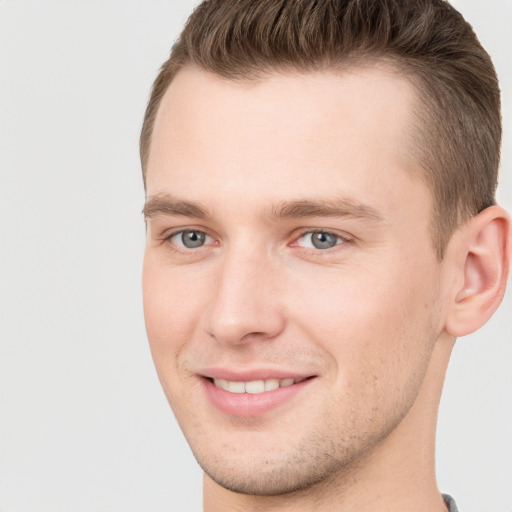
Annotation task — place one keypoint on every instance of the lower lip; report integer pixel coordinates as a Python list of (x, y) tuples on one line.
[(247, 404)]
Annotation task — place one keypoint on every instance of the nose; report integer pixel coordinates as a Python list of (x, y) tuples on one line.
[(245, 302)]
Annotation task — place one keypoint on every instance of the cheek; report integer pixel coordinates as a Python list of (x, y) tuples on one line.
[(375, 326), (171, 302), (171, 306)]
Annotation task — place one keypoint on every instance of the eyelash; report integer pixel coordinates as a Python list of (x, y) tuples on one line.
[(178, 248), (341, 240)]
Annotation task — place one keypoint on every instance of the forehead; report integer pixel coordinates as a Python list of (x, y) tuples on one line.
[(285, 134)]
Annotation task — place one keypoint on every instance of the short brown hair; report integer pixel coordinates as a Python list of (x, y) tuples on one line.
[(458, 123)]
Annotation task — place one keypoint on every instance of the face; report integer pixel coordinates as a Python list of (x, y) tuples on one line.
[(290, 283)]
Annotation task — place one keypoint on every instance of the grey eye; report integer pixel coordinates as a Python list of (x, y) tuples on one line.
[(190, 239), (319, 240), (324, 240)]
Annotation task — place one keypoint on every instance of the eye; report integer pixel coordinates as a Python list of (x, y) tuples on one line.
[(319, 240), (190, 239)]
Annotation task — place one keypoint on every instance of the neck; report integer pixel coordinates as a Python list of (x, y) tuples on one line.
[(396, 475)]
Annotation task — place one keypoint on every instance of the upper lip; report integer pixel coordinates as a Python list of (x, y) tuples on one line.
[(247, 375)]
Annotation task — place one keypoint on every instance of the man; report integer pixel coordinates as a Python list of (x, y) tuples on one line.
[(321, 226)]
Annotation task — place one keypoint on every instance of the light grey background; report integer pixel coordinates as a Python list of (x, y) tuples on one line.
[(84, 426)]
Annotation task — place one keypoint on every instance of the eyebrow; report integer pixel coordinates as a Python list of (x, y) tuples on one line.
[(303, 208), (169, 205), (337, 207)]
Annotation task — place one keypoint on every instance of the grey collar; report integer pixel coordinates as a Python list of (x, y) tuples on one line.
[(450, 503)]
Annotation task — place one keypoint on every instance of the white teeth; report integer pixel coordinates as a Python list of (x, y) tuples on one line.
[(254, 386), (236, 387), (221, 383), (271, 384)]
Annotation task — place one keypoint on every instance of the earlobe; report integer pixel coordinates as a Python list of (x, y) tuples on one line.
[(484, 252)]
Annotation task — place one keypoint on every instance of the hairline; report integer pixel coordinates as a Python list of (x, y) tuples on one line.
[(388, 63)]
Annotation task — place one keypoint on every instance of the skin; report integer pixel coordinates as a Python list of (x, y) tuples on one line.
[(372, 319)]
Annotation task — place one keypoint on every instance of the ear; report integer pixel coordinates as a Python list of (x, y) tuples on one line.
[(482, 255)]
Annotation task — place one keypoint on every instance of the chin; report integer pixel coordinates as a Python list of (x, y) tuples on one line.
[(277, 471), (274, 482)]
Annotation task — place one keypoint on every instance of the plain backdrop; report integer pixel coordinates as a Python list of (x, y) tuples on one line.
[(84, 426)]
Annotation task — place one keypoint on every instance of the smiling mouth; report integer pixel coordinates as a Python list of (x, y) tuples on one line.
[(255, 387), (253, 397)]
